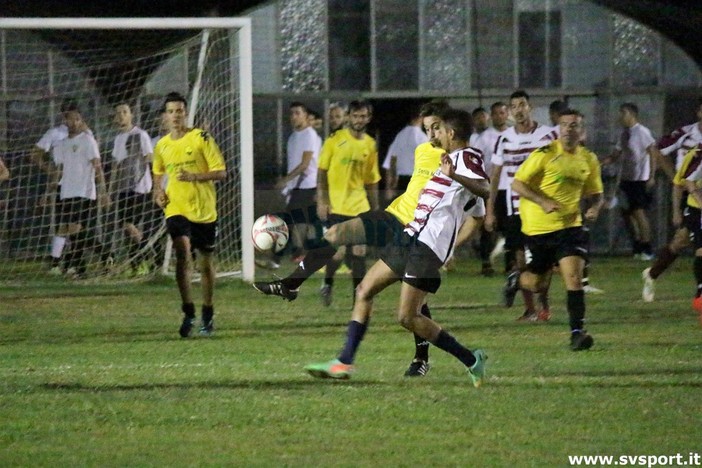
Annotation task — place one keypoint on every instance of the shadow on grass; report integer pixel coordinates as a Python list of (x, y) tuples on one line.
[(216, 385)]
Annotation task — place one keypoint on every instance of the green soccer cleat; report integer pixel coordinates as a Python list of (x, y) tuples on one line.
[(476, 372), (333, 369)]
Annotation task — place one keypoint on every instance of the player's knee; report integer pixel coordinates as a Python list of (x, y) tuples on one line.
[(358, 250), (363, 292), (529, 281), (332, 235), (406, 320)]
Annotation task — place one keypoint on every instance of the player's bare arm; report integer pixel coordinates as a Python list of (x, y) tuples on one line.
[(299, 169), (372, 192), (548, 204), (159, 195), (490, 205), (185, 176), (594, 203), (479, 187), (658, 160), (103, 197), (323, 204)]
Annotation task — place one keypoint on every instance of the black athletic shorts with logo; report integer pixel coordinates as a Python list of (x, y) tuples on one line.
[(543, 251), (414, 263), (203, 236), (692, 220)]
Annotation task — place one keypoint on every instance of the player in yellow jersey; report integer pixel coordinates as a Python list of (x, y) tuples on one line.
[(377, 228), (687, 222), (551, 183), (693, 221), (193, 162)]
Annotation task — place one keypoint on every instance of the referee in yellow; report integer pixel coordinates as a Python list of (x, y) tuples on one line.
[(193, 162), (551, 183)]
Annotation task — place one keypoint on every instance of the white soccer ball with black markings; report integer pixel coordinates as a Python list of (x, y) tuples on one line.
[(269, 233)]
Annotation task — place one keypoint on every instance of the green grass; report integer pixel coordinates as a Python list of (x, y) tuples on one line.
[(96, 376)]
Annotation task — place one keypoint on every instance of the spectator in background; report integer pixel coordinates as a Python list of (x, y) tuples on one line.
[(337, 116), (399, 161), (554, 113), (77, 161), (131, 183), (315, 121)]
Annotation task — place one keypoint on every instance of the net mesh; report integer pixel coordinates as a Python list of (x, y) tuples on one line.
[(96, 70)]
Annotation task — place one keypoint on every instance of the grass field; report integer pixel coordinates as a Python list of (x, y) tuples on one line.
[(96, 376)]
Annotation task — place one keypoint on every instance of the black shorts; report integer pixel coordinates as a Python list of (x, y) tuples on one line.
[(692, 220), (132, 206), (501, 211), (544, 251), (203, 236), (381, 228), (302, 208), (76, 211), (414, 262), (514, 237), (637, 195)]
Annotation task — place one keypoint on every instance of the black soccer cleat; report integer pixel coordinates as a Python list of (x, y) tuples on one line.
[(186, 327), (276, 288), (509, 292), (580, 341), (417, 368)]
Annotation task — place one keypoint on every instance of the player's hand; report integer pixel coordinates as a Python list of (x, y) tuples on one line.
[(104, 200), (447, 167), (185, 176), (591, 214), (161, 199), (490, 222), (322, 211), (549, 206)]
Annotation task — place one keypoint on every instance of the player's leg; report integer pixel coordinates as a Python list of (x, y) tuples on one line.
[(378, 278), (420, 362), (357, 263), (180, 230), (204, 237), (665, 257), (536, 275)]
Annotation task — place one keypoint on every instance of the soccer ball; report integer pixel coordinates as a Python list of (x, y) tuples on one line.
[(269, 233)]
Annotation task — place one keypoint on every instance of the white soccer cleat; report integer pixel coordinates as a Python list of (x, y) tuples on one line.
[(498, 250), (589, 289), (648, 294)]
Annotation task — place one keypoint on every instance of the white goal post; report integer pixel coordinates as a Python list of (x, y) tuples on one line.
[(72, 54)]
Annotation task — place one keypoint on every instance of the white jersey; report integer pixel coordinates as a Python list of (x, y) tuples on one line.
[(680, 141), (511, 150), (486, 142), (444, 204), (403, 147), (75, 157), (633, 144), (133, 172), (300, 142)]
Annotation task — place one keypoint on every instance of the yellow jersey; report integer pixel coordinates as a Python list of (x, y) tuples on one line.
[(564, 177), (351, 164), (195, 152), (689, 164), (426, 161)]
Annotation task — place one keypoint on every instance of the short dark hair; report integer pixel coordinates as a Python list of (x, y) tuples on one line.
[(497, 104), (433, 107), (300, 105), (478, 110), (520, 93), (557, 106), (460, 121), (174, 97), (68, 105), (631, 107), (314, 114), (570, 111), (359, 105)]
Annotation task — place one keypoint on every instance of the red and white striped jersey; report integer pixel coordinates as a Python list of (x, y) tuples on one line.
[(511, 151), (444, 204), (680, 141)]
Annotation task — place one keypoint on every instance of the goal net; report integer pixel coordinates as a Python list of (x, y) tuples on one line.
[(98, 66)]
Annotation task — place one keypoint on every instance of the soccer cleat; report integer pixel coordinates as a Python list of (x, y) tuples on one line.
[(509, 292), (325, 294), (207, 329), (498, 250), (417, 368), (476, 372), (589, 289), (580, 341), (528, 317), (267, 263), (276, 288), (646, 257), (544, 315), (186, 327), (697, 304), (648, 294), (333, 369)]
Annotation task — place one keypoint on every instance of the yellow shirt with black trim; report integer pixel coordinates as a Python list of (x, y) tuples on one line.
[(194, 152), (690, 162), (564, 177), (351, 164), (426, 161)]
